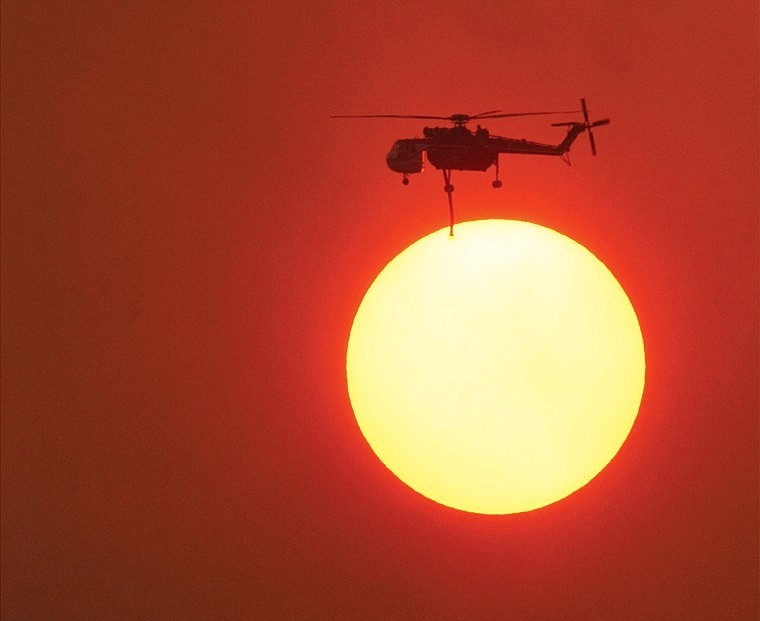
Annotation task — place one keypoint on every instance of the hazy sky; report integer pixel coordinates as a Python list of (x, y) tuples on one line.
[(186, 236)]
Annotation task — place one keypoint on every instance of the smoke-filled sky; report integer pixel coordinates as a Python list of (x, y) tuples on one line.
[(186, 236)]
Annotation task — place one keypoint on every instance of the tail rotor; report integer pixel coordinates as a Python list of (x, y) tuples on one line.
[(588, 125)]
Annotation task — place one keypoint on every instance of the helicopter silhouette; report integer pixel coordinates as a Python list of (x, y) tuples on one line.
[(459, 148)]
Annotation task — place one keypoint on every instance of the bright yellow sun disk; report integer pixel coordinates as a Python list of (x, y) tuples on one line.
[(498, 371)]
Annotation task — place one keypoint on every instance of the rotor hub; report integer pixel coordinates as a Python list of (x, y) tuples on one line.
[(459, 119)]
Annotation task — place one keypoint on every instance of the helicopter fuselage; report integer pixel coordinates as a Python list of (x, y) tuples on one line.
[(458, 148), (405, 155)]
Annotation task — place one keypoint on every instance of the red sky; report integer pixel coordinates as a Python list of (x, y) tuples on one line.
[(186, 236)]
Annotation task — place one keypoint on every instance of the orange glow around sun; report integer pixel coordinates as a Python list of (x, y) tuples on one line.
[(498, 371)]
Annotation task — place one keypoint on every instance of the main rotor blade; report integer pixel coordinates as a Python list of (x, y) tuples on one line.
[(502, 116), (389, 116), (481, 114), (594, 124), (453, 118)]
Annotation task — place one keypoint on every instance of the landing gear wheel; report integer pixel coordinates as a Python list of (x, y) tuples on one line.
[(405, 181), (496, 183), (448, 188)]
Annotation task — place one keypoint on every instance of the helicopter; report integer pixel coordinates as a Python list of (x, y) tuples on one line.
[(459, 148)]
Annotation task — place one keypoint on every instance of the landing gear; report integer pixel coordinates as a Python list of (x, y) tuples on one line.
[(496, 183), (405, 179)]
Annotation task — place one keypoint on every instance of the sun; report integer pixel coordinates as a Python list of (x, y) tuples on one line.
[(497, 371)]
